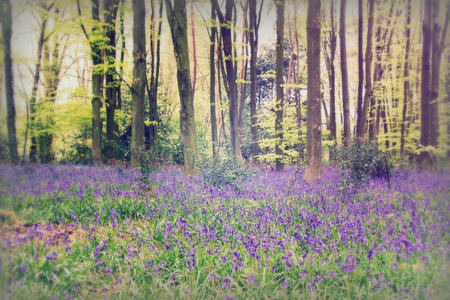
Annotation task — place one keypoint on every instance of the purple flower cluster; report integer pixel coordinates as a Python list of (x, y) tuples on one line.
[(276, 221)]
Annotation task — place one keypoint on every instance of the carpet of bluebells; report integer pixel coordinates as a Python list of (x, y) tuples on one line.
[(99, 231)]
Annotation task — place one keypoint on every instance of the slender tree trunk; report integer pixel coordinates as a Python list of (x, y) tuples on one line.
[(244, 66), (425, 130), (384, 117), (230, 67), (254, 20), (122, 52), (279, 103), (51, 82), (6, 15), (376, 78), (298, 80), (434, 85), (33, 99), (139, 80), (177, 19), (212, 83), (194, 51), (406, 87), (110, 8), (327, 119), (313, 170), (96, 54), (344, 72), (152, 90), (333, 133), (437, 48), (287, 95), (360, 67)]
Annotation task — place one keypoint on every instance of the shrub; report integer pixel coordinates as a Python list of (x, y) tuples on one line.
[(225, 172), (4, 149), (79, 152), (361, 161)]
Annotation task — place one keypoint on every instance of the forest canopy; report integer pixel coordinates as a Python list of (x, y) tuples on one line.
[(72, 88)]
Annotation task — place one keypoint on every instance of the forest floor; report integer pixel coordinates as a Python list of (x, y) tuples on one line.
[(75, 232)]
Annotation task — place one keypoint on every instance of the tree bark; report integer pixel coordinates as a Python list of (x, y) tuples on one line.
[(244, 66), (406, 87), (345, 96), (95, 45), (122, 52), (6, 15), (254, 20), (333, 133), (360, 67), (212, 83), (313, 170), (177, 19), (425, 130), (110, 8), (194, 51), (279, 101), (139, 81), (437, 48), (152, 91), (230, 67), (51, 83), (37, 74)]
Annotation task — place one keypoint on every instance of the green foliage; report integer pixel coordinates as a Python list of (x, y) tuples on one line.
[(4, 150), (361, 161), (290, 142), (223, 172), (79, 151)]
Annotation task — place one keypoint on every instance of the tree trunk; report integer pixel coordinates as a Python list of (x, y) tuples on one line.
[(360, 67), (406, 79), (376, 79), (279, 102), (244, 66), (425, 130), (254, 20), (212, 84), (6, 15), (333, 133), (194, 51), (110, 8), (139, 81), (96, 54), (177, 19), (122, 52), (152, 91), (437, 48), (313, 170), (33, 99), (51, 82), (345, 96), (230, 67)]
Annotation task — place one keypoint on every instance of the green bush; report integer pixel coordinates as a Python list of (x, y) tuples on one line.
[(4, 149), (78, 152), (225, 172), (361, 161)]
